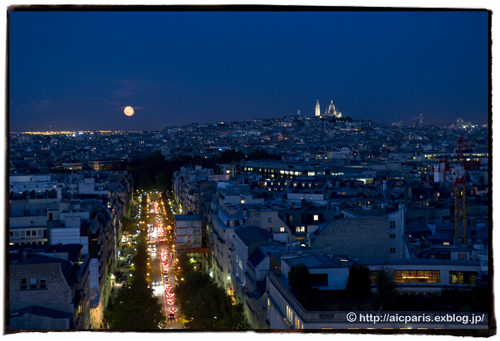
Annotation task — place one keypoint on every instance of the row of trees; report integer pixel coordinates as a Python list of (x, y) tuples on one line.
[(135, 307), (206, 306), (154, 170)]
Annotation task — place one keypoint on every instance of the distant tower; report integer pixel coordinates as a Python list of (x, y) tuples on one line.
[(317, 109)]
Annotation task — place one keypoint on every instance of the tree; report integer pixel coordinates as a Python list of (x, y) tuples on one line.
[(192, 282), (136, 308), (52, 194), (128, 225), (358, 282), (206, 306), (299, 279), (260, 154), (231, 155), (185, 265), (145, 183), (162, 182), (153, 163), (386, 288)]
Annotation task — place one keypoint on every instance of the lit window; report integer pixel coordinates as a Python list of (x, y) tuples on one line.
[(316, 217), (282, 229), (463, 277), (416, 276)]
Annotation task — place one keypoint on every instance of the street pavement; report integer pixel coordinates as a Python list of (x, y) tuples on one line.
[(156, 275)]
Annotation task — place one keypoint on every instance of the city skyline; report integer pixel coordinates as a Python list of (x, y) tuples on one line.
[(177, 68)]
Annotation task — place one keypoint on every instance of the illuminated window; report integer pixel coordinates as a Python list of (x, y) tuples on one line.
[(282, 229), (416, 276), (462, 277), (316, 217)]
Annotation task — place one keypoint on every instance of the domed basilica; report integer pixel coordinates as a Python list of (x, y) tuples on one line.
[(330, 112)]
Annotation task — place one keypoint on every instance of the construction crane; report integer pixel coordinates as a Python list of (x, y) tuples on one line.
[(459, 187)]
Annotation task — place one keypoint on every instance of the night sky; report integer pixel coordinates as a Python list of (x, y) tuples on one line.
[(79, 70)]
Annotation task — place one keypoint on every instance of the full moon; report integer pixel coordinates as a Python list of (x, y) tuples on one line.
[(129, 111)]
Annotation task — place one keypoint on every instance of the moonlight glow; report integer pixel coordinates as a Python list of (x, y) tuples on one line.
[(129, 111)]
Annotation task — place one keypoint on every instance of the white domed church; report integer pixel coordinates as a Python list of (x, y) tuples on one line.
[(332, 111)]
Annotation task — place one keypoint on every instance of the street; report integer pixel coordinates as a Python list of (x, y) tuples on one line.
[(156, 231)]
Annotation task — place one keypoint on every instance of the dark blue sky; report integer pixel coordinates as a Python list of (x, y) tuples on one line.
[(78, 70)]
